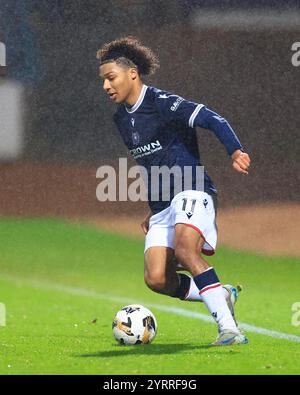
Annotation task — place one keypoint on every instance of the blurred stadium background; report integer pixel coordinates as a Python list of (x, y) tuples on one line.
[(56, 124)]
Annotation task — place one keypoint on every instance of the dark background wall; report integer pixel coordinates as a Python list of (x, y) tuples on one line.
[(245, 75)]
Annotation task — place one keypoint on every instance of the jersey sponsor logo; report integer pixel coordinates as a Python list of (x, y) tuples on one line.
[(146, 149), (176, 104)]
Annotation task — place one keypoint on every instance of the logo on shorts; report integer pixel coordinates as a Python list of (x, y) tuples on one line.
[(214, 314), (205, 202), (189, 215)]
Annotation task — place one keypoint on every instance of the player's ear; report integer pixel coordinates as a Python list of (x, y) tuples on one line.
[(133, 73)]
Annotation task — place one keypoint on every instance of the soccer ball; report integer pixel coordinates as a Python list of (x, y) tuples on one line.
[(134, 324)]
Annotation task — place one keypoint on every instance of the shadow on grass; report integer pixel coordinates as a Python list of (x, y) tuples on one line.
[(155, 349)]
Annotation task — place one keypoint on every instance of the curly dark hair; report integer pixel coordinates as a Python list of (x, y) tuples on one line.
[(130, 52)]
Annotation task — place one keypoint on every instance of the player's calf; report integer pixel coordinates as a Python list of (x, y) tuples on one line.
[(155, 282), (190, 260), (160, 282)]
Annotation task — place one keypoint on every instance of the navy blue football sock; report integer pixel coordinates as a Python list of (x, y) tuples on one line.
[(207, 280), (184, 286)]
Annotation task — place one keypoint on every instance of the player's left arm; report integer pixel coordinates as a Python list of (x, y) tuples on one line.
[(208, 119), (241, 161), (173, 107)]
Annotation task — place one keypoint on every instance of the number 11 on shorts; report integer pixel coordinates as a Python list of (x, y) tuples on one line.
[(184, 203)]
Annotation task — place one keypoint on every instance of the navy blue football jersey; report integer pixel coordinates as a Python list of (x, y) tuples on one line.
[(160, 130)]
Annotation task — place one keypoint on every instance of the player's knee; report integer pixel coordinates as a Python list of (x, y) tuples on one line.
[(156, 281)]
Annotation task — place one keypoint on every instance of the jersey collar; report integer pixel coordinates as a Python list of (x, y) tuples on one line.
[(139, 100)]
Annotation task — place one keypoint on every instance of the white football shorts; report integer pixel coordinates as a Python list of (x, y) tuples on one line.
[(193, 208)]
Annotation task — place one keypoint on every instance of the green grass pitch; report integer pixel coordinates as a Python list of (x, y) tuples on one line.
[(62, 284)]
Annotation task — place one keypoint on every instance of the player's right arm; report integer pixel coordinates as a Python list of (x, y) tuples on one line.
[(145, 223)]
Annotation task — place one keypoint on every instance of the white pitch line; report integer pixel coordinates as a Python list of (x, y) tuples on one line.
[(168, 309)]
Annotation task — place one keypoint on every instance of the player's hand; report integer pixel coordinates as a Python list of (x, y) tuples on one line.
[(241, 161), (145, 223)]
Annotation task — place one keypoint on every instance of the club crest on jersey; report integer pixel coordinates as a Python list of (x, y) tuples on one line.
[(135, 138)]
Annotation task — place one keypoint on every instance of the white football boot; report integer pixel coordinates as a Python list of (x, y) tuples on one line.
[(232, 297), (229, 337)]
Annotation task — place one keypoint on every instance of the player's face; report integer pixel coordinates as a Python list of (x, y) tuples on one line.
[(117, 81)]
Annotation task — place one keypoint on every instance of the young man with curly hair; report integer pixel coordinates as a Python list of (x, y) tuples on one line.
[(179, 229)]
